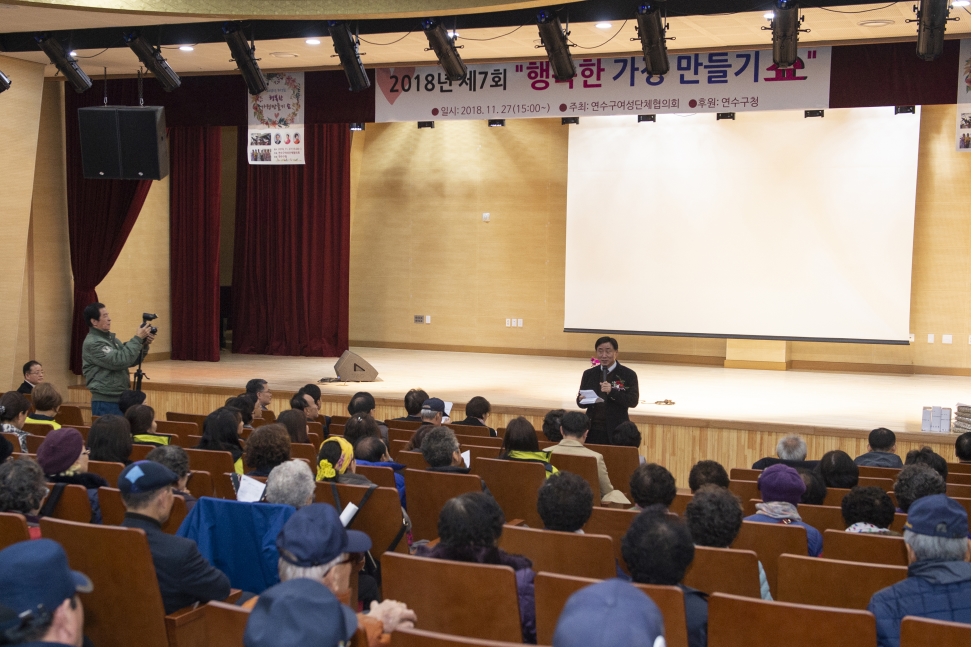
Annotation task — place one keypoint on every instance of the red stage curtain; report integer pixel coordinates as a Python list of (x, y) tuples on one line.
[(101, 214), (290, 268), (194, 241)]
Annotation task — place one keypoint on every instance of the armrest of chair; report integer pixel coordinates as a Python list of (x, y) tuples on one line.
[(187, 627), (234, 596), (517, 522)]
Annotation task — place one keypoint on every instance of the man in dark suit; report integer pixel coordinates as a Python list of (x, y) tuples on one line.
[(617, 385), (33, 375), (413, 405), (477, 410), (185, 577)]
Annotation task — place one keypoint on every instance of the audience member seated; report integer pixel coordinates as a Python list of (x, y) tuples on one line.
[(520, 444), (299, 613), (305, 403), (267, 447), (916, 481), (110, 440), (361, 425), (469, 527), (612, 613), (714, 518), (574, 430), (963, 448), (372, 452), (881, 450), (627, 434), (781, 488), (290, 483), (129, 398), (141, 422), (868, 510), (565, 502), (816, 490), (708, 473), (336, 462), (261, 390), (296, 425), (658, 549), (938, 586), (926, 456), (6, 449), (433, 413), (413, 405), (39, 596), (33, 377), (22, 490), (838, 470), (477, 410), (652, 484), (791, 451), (175, 458), (64, 459), (313, 545), (185, 577), (13, 414), (363, 403), (441, 450), (552, 425), (246, 404), (46, 401), (221, 433)]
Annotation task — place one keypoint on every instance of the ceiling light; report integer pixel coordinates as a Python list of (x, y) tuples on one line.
[(243, 55), (73, 53), (153, 61), (652, 32), (603, 25), (313, 41), (555, 41), (813, 113), (452, 34), (876, 23), (346, 47), (64, 63), (646, 118), (496, 123), (445, 48), (427, 124), (186, 48), (769, 15), (356, 126), (283, 54)]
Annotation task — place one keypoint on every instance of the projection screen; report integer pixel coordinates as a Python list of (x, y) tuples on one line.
[(770, 226)]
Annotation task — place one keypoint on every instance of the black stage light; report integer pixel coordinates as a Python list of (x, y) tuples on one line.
[(496, 123), (346, 47), (905, 110), (4, 81), (555, 41), (445, 47), (569, 120), (931, 16), (813, 113), (652, 32), (153, 61), (427, 124), (726, 115), (786, 24), (243, 55), (356, 125), (646, 118), (64, 63)]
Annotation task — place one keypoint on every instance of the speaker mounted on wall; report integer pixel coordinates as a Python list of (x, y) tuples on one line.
[(123, 142)]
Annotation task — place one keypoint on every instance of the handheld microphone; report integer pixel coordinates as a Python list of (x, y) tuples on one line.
[(604, 373)]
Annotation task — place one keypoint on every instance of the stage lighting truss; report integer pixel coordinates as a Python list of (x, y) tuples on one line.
[(555, 41), (785, 25), (445, 47), (931, 15), (346, 48), (651, 27), (64, 63), (153, 61), (243, 56)]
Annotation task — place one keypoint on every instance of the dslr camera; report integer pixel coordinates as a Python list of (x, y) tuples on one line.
[(146, 318)]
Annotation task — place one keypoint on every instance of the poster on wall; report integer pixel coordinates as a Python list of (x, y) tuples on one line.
[(275, 125), (963, 98), (702, 82)]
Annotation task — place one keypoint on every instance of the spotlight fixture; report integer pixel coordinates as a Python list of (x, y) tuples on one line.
[(427, 124), (785, 26), (565, 121), (905, 110), (813, 113), (496, 123), (931, 16), (356, 126), (243, 55), (720, 116), (346, 47), (646, 118), (445, 47), (64, 63), (555, 41), (4, 81), (652, 32), (153, 61)]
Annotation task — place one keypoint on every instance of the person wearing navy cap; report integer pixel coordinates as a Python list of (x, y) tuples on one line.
[(612, 613), (937, 538), (39, 603), (299, 613), (185, 577)]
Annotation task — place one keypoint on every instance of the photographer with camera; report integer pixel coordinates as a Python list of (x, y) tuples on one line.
[(105, 360)]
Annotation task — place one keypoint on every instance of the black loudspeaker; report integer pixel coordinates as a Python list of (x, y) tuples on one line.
[(123, 142), (352, 368)]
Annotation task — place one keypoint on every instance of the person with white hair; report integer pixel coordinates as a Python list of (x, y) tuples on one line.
[(290, 483), (791, 451)]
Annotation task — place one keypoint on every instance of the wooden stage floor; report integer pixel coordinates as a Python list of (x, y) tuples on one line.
[(852, 401)]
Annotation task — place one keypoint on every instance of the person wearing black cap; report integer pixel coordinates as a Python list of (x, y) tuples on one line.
[(616, 385), (39, 601), (185, 577)]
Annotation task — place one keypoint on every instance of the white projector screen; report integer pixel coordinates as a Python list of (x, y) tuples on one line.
[(771, 226)]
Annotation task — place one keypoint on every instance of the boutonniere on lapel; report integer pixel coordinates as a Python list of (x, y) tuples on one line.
[(618, 385)]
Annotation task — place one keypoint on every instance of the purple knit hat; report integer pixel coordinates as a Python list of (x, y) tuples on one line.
[(60, 450), (781, 483)]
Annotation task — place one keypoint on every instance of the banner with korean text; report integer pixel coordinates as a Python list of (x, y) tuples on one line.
[(275, 124), (708, 82), (963, 98)]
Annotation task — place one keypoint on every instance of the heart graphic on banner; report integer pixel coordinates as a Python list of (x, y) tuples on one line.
[(383, 76)]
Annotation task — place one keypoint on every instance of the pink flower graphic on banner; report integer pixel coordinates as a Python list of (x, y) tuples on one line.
[(388, 85)]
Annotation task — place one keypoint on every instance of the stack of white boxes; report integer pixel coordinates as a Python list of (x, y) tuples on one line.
[(961, 424), (936, 419)]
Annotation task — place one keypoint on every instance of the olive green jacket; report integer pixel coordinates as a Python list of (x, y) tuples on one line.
[(105, 362)]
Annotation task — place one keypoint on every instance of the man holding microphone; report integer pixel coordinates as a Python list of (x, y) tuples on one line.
[(616, 385)]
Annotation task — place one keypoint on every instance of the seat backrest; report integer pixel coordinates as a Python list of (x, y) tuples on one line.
[(584, 466), (464, 599), (958, 468), (181, 429), (958, 491), (113, 509), (380, 518), (40, 429), (69, 415), (736, 621), (951, 477), (34, 443), (770, 540), (13, 529), (317, 428), (743, 474), (878, 472), (200, 483), (678, 505), (480, 441), (746, 490), (620, 462), (13, 440), (411, 425), (412, 460), (314, 439), (107, 470), (551, 593), (614, 523), (381, 476), (420, 638), (139, 452), (875, 481), (822, 517), (858, 547), (125, 606), (471, 430), (305, 451), (194, 418), (514, 484), (831, 582), (396, 446), (477, 451), (73, 505), (214, 462), (400, 434), (835, 496), (566, 553), (225, 624), (724, 570), (924, 632), (429, 492)]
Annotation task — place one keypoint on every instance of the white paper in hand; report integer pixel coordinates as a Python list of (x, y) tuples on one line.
[(466, 457), (589, 397), (250, 490), (348, 514), (449, 407)]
